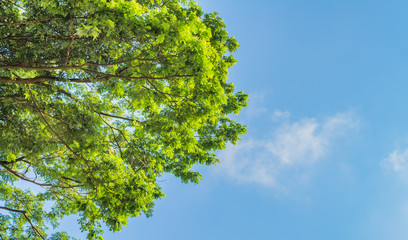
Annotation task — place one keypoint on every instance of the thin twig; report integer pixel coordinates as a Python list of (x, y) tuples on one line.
[(28, 22), (70, 43), (61, 139), (36, 231)]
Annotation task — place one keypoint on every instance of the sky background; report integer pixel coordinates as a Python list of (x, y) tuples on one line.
[(326, 153)]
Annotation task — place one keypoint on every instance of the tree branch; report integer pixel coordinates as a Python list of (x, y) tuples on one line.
[(36, 231), (119, 117), (41, 79), (22, 159), (70, 43), (62, 140), (36, 21), (44, 185), (77, 101), (28, 22)]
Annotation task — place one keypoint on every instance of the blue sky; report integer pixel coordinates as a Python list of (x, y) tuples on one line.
[(326, 154)]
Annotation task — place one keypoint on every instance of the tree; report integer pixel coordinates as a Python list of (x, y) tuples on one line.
[(99, 98)]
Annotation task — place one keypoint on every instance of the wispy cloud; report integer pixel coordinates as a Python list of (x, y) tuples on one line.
[(279, 115), (287, 154), (397, 162)]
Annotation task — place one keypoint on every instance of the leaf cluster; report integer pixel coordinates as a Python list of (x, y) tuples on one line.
[(99, 98)]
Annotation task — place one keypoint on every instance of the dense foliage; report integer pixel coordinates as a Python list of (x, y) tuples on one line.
[(99, 98)]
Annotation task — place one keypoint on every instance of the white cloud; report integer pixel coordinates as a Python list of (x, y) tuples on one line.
[(397, 162), (279, 115), (286, 155)]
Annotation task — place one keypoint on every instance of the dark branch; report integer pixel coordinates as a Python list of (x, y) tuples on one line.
[(41, 79), (119, 117), (44, 185), (37, 232), (28, 22)]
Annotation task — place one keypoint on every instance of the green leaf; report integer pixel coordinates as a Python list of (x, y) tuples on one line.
[(101, 99)]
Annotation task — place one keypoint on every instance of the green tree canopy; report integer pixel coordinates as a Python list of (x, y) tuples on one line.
[(99, 98)]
